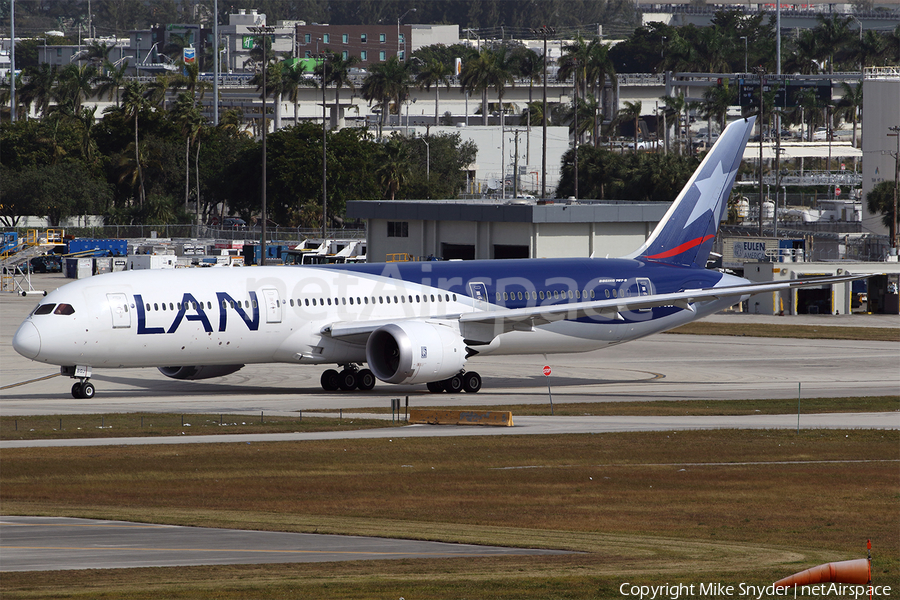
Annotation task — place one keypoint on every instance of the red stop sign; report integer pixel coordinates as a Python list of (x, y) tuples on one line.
[(547, 370)]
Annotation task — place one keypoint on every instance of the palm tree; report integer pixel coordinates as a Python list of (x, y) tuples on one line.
[(186, 112), (803, 58), (40, 87), (293, 79), (716, 101), (158, 89), (492, 68), (75, 83), (394, 166), (871, 49), (111, 80), (134, 102), (833, 33), (387, 81), (338, 74), (435, 73), (631, 112), (674, 105), (275, 83), (850, 104)]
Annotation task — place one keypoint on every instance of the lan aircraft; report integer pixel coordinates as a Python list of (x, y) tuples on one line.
[(401, 323)]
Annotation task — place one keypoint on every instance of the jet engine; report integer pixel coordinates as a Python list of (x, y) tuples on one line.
[(415, 352), (205, 372)]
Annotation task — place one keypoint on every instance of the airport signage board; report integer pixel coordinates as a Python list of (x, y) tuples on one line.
[(750, 250)]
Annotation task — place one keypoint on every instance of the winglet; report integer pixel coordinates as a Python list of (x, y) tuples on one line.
[(685, 234)]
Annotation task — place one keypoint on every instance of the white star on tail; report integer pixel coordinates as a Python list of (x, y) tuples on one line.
[(711, 185)]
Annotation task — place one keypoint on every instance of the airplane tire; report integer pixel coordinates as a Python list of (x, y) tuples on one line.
[(87, 390), (435, 387), (76, 391), (329, 380), (347, 380), (454, 384), (471, 382), (365, 380)]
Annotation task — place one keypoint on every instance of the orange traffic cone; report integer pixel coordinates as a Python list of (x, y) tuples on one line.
[(847, 571)]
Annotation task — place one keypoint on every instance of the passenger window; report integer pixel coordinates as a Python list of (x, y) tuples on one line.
[(519, 295), (155, 306), (64, 309), (344, 301), (592, 293), (505, 296), (164, 306), (607, 293), (357, 300), (403, 299), (46, 309), (578, 293), (395, 299), (571, 295), (454, 297), (329, 302)]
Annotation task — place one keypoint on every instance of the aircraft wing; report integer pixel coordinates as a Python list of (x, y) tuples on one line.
[(483, 326)]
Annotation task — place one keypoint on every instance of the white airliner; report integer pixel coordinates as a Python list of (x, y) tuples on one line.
[(418, 322)]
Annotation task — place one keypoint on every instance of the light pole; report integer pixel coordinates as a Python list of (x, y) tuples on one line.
[(324, 58), (544, 32), (400, 18), (761, 71), (893, 230), (263, 30), (744, 37)]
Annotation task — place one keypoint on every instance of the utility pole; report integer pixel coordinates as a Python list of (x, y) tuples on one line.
[(544, 32), (263, 30), (761, 71), (516, 168)]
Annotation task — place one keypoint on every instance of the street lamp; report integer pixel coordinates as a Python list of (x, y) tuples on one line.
[(544, 32), (263, 30), (400, 18)]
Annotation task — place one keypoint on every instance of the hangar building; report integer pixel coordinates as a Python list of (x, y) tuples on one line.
[(483, 229)]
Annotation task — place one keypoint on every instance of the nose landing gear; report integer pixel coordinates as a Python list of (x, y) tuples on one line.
[(83, 389)]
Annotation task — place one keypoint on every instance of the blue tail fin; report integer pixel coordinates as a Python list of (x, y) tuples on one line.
[(685, 234)]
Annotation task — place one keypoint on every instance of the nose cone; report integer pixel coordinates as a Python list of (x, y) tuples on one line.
[(27, 340)]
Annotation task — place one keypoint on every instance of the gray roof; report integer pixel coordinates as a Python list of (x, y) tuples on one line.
[(479, 210)]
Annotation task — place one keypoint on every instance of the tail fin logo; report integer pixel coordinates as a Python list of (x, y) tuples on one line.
[(685, 235), (711, 186)]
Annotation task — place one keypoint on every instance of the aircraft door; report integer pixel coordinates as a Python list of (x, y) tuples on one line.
[(643, 289), (273, 305), (121, 314), (478, 291)]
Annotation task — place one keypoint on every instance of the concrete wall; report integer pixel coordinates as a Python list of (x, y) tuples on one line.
[(882, 98)]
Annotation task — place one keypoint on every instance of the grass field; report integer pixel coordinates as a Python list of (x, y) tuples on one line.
[(690, 507), (810, 332)]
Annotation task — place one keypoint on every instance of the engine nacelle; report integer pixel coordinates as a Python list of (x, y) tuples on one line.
[(205, 372), (415, 352)]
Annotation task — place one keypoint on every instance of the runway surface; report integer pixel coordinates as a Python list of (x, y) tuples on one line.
[(55, 544)]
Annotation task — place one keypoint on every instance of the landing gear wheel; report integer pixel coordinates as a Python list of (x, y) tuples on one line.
[(76, 391), (365, 380), (347, 380), (453, 385), (435, 387), (329, 380), (87, 390), (471, 382)]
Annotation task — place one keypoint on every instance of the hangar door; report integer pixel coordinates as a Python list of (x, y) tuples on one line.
[(814, 301), (458, 251), (510, 251)]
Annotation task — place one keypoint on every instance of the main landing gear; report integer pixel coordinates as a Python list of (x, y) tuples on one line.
[(83, 389), (350, 378), (469, 381)]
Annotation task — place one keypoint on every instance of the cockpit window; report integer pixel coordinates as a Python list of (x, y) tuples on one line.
[(44, 309), (64, 309)]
